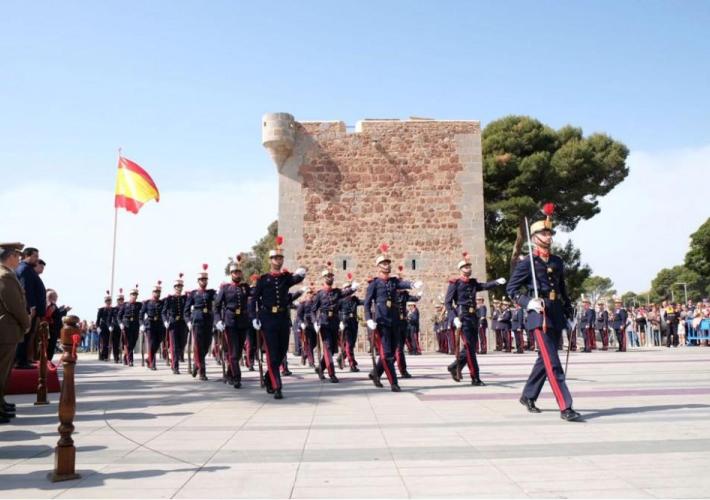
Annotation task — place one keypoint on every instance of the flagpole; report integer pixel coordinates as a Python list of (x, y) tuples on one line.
[(115, 227), (113, 257)]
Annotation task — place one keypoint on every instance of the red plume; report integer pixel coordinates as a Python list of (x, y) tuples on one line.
[(136, 285), (107, 292), (239, 257), (548, 209), (279, 240), (350, 276), (465, 254), (329, 263), (180, 275), (400, 267), (254, 277), (204, 267), (160, 282), (384, 247), (120, 290)]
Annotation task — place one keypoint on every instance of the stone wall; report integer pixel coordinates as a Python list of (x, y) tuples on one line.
[(416, 185)]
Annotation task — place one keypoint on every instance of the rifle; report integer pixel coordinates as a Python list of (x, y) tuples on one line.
[(189, 349), (223, 343), (259, 343), (321, 354), (304, 346), (375, 375), (457, 351), (142, 339), (341, 347)]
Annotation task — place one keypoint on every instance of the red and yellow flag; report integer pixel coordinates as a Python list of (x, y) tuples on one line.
[(134, 186)]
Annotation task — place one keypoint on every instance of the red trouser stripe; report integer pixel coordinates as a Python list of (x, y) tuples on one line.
[(548, 368), (173, 358), (272, 376), (469, 360), (383, 360), (229, 354), (326, 352), (196, 349)]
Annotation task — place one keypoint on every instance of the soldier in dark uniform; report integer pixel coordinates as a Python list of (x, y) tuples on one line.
[(250, 347), (115, 330), (587, 325), (231, 310), (175, 325), (152, 324), (104, 322), (292, 298), (602, 324), (619, 324), (413, 327), (495, 324), (198, 310), (505, 317), (517, 324), (129, 319), (403, 296), (349, 324), (326, 313), (382, 317), (269, 310), (461, 301), (548, 315), (482, 313), (304, 318)]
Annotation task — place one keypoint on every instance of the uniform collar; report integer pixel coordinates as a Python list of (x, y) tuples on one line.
[(542, 253)]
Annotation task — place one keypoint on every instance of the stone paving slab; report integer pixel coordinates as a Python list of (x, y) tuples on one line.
[(145, 434)]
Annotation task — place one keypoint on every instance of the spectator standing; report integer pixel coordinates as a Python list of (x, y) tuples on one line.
[(35, 298), (53, 316), (14, 319)]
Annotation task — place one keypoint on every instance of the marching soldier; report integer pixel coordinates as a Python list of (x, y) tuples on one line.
[(152, 324), (349, 324), (115, 330), (382, 317), (602, 324), (174, 323), (403, 297), (326, 314), (461, 301), (548, 315), (619, 324), (505, 317), (250, 347), (587, 325), (198, 310), (270, 310), (495, 314), (413, 327), (292, 298), (130, 325), (304, 318), (482, 313), (233, 319), (517, 324), (104, 322)]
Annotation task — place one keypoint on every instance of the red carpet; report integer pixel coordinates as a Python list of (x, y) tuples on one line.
[(25, 381)]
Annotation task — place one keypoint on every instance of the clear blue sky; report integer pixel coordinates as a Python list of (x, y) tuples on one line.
[(182, 85)]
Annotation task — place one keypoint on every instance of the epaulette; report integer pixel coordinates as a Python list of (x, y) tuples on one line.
[(453, 280), (285, 271), (370, 279)]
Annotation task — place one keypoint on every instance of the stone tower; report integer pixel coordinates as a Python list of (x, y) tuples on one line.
[(415, 184)]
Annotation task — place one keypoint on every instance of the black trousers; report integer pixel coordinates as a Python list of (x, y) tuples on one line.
[(467, 355), (201, 341), (177, 340), (275, 329), (329, 338), (234, 337), (548, 367), (131, 338), (387, 340), (154, 335)]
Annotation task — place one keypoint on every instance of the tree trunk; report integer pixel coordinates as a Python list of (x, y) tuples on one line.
[(518, 245)]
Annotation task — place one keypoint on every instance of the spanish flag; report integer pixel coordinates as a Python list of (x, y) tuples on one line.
[(134, 186)]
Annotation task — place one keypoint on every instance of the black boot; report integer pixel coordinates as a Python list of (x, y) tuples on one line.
[(375, 379), (354, 369), (570, 415), (277, 394), (529, 404), (406, 374), (454, 372), (334, 379), (477, 382), (395, 388)]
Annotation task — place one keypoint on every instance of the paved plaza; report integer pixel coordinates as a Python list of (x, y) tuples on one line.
[(158, 435)]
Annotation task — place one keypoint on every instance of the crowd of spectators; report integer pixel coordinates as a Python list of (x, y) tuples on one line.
[(668, 324)]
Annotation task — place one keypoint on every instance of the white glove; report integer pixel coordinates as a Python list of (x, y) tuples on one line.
[(419, 294), (417, 284), (304, 289), (371, 324), (145, 316), (256, 324), (317, 327), (220, 325), (535, 305), (110, 328), (301, 271), (354, 286), (141, 328), (303, 326), (189, 324), (501, 281), (166, 324), (341, 325), (122, 326), (457, 323)]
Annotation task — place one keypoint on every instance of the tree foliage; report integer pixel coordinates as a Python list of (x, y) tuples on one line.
[(575, 272), (668, 285), (257, 260), (596, 287), (525, 164), (697, 260)]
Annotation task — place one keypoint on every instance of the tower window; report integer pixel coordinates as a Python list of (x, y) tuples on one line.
[(345, 265), (414, 264)]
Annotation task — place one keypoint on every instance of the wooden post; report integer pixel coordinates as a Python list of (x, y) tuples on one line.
[(65, 452), (42, 379)]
